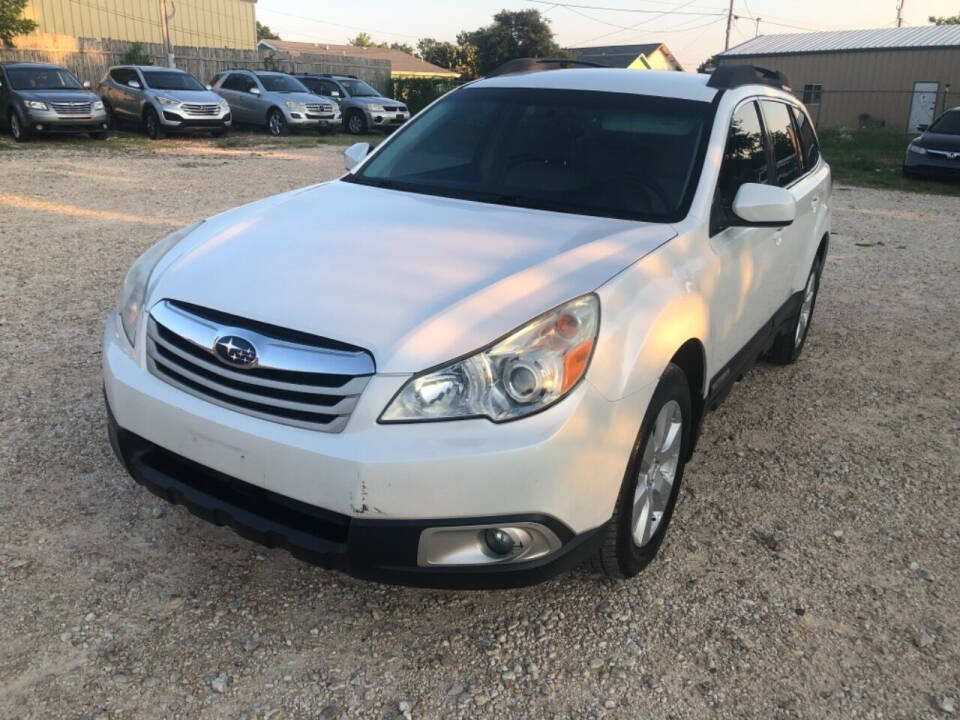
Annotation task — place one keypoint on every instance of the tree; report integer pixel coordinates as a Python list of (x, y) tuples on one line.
[(134, 55), (403, 47), (442, 53), (265, 33), (362, 40), (513, 34), (11, 21), (708, 65), (948, 20)]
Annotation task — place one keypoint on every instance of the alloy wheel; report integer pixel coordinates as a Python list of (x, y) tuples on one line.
[(658, 470), (15, 128), (355, 124), (275, 124)]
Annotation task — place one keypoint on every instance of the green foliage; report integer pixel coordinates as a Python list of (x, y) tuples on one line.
[(708, 65), (403, 47), (265, 33), (364, 40), (270, 63), (947, 20), (12, 22), (461, 59), (512, 34), (135, 55), (417, 93), (874, 158)]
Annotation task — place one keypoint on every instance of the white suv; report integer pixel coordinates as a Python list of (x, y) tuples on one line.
[(496, 362)]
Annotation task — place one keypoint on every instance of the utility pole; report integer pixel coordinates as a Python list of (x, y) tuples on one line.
[(726, 43), (900, 12), (165, 29)]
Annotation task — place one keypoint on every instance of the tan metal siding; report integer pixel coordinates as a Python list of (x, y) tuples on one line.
[(878, 83), (198, 23)]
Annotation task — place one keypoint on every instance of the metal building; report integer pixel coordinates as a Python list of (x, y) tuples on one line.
[(898, 78), (196, 23)]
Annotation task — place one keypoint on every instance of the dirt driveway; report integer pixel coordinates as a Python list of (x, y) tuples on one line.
[(813, 569)]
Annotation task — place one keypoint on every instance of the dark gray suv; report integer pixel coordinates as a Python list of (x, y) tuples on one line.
[(42, 98), (363, 107)]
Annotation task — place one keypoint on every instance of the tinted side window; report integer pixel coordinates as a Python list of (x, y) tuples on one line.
[(808, 139), (327, 88), (238, 82), (745, 157), (783, 137), (123, 75)]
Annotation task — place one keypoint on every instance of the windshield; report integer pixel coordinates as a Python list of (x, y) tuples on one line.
[(592, 153), (281, 84), (166, 80), (358, 88), (948, 124), (42, 79)]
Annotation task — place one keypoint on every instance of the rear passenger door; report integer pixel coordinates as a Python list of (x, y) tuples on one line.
[(794, 170), (122, 97), (235, 90), (748, 288)]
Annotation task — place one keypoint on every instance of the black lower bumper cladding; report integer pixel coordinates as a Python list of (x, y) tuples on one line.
[(380, 550)]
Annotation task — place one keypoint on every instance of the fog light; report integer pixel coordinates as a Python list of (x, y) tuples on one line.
[(499, 541), (39, 126)]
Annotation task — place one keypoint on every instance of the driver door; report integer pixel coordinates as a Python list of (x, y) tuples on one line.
[(746, 290)]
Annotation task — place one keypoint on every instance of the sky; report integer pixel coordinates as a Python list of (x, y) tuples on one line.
[(692, 29)]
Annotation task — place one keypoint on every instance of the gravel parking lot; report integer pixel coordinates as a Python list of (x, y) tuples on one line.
[(812, 570)]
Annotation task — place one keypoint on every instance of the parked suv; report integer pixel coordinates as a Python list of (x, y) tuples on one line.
[(484, 354), (44, 98), (163, 100), (361, 106), (275, 100)]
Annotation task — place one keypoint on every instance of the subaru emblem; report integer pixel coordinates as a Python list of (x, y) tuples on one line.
[(235, 350)]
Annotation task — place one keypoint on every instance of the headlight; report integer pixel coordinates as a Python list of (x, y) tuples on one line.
[(529, 370), (167, 101), (917, 149), (98, 105), (373, 107), (296, 106), (35, 104), (138, 276)]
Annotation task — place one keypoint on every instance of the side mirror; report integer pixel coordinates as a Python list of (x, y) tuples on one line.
[(134, 84), (922, 128), (334, 93), (354, 155), (758, 205), (87, 85), (254, 91), (209, 86)]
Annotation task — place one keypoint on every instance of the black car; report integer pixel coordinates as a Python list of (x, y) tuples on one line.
[(936, 153), (44, 98)]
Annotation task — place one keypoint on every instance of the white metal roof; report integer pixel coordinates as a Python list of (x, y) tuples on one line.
[(664, 83), (927, 36)]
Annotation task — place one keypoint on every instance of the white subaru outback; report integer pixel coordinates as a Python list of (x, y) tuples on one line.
[(497, 364)]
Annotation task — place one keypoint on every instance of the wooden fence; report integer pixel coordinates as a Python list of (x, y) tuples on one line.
[(89, 59)]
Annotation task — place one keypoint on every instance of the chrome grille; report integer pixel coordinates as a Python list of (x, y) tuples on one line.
[(195, 109), (71, 108), (297, 379), (393, 109), (316, 108)]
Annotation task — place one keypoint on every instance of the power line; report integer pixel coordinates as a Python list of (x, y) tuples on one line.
[(634, 27), (572, 6)]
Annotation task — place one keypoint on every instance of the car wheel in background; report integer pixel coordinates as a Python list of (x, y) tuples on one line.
[(151, 124), (649, 491), (788, 345), (277, 123), (111, 119), (98, 135), (17, 128), (356, 123)]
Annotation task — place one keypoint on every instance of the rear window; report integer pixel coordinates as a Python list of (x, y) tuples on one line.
[(783, 136), (808, 139), (592, 153)]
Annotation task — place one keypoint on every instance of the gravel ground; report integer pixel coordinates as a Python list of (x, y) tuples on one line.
[(811, 570)]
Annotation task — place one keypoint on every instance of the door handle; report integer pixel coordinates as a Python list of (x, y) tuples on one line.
[(815, 199)]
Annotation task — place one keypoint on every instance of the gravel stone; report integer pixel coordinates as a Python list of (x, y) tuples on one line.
[(860, 435)]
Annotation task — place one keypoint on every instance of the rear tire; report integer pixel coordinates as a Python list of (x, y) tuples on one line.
[(18, 130), (151, 124), (650, 488), (789, 344)]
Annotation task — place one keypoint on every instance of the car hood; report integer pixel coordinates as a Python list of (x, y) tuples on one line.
[(378, 100), (58, 95), (939, 141), (416, 279), (190, 96), (302, 97)]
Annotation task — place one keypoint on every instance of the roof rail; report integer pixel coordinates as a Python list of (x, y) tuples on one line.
[(326, 75), (538, 64), (727, 77)]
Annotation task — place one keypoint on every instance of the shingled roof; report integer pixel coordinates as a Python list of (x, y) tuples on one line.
[(401, 63)]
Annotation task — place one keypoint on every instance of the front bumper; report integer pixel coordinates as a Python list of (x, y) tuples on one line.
[(48, 121), (384, 483), (932, 166), (386, 119), (172, 119)]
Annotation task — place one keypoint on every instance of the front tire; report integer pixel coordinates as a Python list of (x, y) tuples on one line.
[(151, 124), (789, 344), (356, 123), (277, 123), (17, 129), (652, 483)]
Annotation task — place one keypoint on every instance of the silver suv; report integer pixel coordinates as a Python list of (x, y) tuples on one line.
[(275, 100), (362, 106), (163, 100)]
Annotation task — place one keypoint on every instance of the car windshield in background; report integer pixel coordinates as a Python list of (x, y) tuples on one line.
[(948, 124), (281, 84), (165, 80), (42, 79), (592, 153), (358, 88)]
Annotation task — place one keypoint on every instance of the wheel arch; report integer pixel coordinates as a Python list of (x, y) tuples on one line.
[(691, 358), (266, 115)]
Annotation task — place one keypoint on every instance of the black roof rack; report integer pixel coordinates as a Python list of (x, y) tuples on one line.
[(537, 64), (326, 75), (727, 77)]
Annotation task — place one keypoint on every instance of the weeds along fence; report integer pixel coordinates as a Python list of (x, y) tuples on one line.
[(417, 92), (89, 59)]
